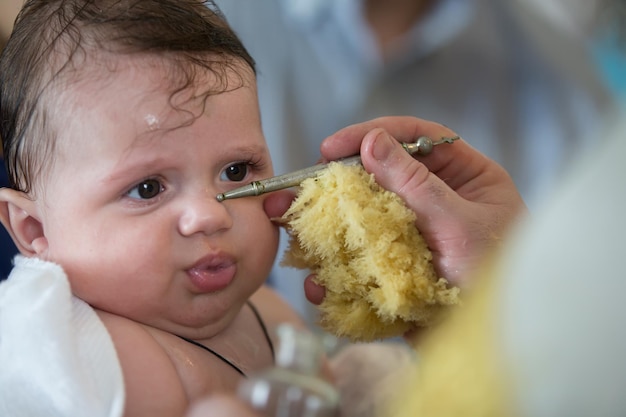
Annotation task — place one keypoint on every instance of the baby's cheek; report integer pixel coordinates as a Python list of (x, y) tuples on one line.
[(265, 244)]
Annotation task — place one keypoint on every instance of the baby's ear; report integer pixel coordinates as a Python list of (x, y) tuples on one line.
[(18, 214)]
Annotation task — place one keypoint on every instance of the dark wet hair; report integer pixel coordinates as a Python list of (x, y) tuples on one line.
[(51, 38)]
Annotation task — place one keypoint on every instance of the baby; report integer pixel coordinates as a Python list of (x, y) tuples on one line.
[(121, 122)]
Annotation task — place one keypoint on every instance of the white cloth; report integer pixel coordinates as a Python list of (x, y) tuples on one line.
[(482, 67), (56, 356), (561, 305)]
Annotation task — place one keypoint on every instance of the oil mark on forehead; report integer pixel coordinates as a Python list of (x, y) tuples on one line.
[(152, 121)]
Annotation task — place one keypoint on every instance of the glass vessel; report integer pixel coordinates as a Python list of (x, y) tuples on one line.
[(293, 387)]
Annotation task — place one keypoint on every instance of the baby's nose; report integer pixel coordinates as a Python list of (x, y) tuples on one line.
[(204, 214)]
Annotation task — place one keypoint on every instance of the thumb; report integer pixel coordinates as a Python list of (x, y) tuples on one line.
[(422, 191), (393, 168)]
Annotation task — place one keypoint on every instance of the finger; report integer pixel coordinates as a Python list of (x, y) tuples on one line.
[(314, 293), (395, 170), (457, 164), (277, 203), (347, 141)]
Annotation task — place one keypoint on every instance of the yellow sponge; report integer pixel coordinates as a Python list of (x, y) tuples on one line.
[(362, 243)]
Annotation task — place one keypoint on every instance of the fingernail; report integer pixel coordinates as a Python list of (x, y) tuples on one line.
[(383, 146)]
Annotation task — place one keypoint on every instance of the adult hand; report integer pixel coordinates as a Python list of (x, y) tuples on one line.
[(464, 201)]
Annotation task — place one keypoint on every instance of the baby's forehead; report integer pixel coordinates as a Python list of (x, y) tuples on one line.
[(169, 73), (107, 70), (128, 103), (143, 93), (154, 84)]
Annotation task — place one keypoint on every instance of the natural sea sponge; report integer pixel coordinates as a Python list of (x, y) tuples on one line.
[(362, 243)]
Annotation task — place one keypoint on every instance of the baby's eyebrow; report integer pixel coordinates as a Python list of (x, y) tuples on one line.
[(135, 169), (245, 150)]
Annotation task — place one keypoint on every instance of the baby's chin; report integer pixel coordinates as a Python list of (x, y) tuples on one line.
[(201, 321), (193, 326)]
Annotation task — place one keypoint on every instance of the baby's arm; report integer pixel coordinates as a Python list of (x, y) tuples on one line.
[(152, 384)]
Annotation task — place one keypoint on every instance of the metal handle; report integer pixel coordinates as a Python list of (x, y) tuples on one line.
[(423, 146)]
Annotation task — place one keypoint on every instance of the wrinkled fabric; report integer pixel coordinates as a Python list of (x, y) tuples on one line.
[(56, 356)]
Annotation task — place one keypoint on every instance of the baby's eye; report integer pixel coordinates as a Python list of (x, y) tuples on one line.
[(235, 172), (146, 190)]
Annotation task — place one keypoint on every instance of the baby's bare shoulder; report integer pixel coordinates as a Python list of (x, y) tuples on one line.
[(152, 383), (274, 309)]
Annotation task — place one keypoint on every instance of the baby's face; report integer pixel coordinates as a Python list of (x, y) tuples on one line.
[(130, 210)]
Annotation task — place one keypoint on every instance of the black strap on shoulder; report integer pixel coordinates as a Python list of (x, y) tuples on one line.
[(263, 327), (225, 360)]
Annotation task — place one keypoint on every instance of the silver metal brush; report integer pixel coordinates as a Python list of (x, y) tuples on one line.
[(423, 146)]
